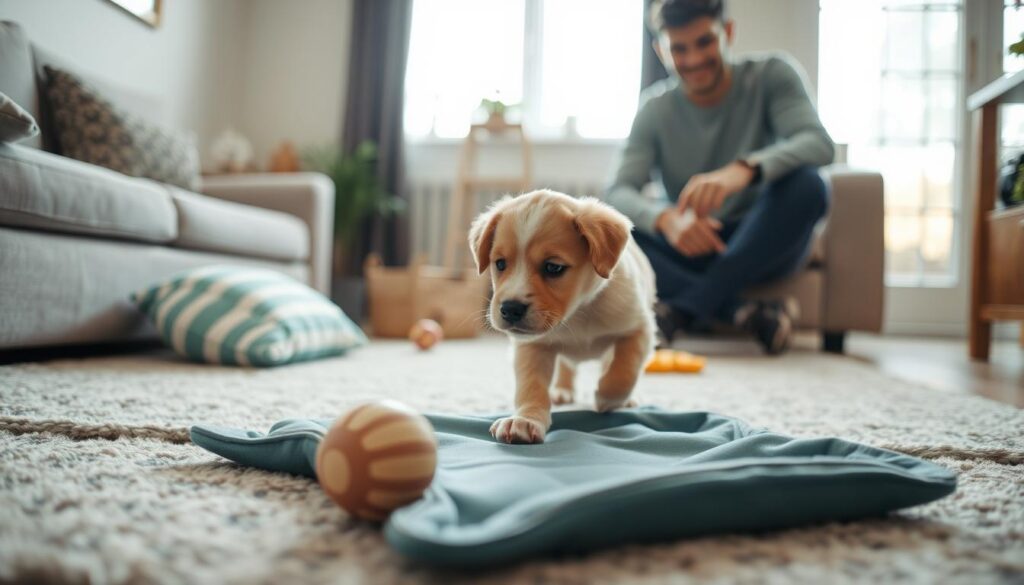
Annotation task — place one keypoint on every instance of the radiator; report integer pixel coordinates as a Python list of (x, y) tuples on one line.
[(428, 210)]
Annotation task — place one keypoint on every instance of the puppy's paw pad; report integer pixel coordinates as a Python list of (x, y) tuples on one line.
[(518, 429), (610, 404), (562, 396)]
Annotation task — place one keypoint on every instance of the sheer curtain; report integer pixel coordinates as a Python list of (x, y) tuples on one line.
[(652, 70)]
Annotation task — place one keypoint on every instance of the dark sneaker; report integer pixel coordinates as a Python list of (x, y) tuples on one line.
[(770, 322), (670, 321)]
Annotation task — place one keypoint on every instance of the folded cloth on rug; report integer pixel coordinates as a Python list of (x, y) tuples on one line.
[(605, 479)]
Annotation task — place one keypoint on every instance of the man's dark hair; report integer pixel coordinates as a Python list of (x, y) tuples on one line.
[(672, 13)]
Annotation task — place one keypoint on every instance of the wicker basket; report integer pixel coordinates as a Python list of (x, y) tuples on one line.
[(400, 296)]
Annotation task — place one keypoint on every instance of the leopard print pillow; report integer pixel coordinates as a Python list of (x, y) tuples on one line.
[(93, 130)]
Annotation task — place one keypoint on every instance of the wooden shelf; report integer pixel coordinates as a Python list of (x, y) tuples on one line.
[(998, 214), (1003, 312), (1005, 90), (470, 183), (997, 256)]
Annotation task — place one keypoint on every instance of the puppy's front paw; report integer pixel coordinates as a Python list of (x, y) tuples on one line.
[(518, 429), (562, 396), (603, 404)]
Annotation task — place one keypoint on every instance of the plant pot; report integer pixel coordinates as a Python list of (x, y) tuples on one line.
[(496, 122)]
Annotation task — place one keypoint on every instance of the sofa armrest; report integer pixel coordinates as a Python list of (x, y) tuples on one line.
[(854, 251), (308, 196)]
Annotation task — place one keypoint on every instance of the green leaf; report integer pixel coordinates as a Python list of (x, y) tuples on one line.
[(1018, 47), (359, 193)]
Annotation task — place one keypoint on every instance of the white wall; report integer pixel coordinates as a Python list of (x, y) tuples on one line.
[(783, 25), (191, 63), (296, 67), (272, 70)]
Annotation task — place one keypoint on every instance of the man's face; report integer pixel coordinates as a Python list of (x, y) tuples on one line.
[(695, 52)]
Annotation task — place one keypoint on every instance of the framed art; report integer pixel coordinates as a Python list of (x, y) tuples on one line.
[(148, 11)]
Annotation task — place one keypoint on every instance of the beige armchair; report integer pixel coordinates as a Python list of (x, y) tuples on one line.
[(842, 287)]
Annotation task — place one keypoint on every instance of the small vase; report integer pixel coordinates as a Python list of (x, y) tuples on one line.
[(496, 121)]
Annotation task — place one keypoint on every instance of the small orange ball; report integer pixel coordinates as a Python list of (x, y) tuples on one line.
[(377, 458), (425, 333)]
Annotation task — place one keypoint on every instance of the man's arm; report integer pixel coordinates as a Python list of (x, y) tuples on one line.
[(634, 171), (791, 114)]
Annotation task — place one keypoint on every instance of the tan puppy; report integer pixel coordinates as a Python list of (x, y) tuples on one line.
[(569, 285)]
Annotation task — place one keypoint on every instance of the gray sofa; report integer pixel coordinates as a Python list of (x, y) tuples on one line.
[(77, 239)]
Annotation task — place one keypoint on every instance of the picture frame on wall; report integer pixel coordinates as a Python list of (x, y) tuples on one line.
[(148, 11)]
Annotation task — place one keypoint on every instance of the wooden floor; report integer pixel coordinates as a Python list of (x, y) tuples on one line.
[(937, 362), (943, 364)]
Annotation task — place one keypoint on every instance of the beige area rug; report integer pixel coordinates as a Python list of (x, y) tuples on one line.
[(99, 485)]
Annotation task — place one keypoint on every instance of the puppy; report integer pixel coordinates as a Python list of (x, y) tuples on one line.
[(569, 285)]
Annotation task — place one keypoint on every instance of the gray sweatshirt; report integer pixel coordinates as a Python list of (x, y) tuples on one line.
[(766, 118)]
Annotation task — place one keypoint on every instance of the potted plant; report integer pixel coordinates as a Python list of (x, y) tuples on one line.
[(1017, 48), (359, 197), (496, 110)]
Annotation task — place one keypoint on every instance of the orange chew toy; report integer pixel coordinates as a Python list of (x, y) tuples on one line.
[(376, 458), (671, 360), (425, 333)]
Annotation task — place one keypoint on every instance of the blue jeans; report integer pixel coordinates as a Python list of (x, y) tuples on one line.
[(770, 241)]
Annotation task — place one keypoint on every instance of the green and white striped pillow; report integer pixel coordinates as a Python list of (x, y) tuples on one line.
[(246, 317)]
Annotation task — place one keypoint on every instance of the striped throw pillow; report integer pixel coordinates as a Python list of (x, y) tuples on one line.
[(246, 317)]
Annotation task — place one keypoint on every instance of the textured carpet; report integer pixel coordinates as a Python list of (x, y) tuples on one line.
[(99, 485)]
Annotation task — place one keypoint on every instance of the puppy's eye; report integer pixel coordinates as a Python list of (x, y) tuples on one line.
[(500, 264), (552, 269)]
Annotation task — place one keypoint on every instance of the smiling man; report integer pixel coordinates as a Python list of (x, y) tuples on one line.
[(735, 143)]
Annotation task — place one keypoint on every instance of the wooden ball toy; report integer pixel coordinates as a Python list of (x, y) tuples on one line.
[(376, 458), (425, 333)]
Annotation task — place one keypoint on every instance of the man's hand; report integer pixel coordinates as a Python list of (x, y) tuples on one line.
[(705, 192), (691, 235)]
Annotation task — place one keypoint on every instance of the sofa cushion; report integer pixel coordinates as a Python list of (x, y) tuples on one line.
[(16, 77), (207, 223), (61, 289), (15, 123), (41, 190), (247, 317), (92, 129)]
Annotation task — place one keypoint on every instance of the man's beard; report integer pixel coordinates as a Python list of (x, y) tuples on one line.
[(719, 74)]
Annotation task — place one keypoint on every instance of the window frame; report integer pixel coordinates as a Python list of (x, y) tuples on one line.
[(884, 137), (952, 277), (529, 114)]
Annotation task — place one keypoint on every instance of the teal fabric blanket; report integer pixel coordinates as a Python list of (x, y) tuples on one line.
[(600, 480)]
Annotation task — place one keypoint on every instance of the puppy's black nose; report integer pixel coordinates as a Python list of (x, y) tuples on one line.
[(513, 311)]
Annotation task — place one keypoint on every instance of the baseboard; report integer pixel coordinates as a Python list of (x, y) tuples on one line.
[(1003, 331)]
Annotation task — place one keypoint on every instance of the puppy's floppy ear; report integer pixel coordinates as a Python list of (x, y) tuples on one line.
[(481, 234), (606, 232)]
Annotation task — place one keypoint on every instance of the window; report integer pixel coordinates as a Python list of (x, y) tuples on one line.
[(1013, 28), (1012, 115), (889, 87), (572, 65)]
